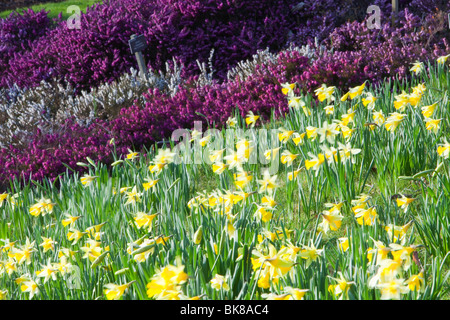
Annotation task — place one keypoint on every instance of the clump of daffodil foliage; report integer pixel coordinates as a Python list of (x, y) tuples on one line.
[(345, 197)]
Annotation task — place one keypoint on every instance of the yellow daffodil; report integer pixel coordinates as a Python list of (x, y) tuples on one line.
[(341, 288), (296, 293), (262, 214), (251, 119), (271, 154), (296, 102), (268, 183), (168, 280), (369, 101), (232, 122), (219, 282), (114, 292), (75, 235), (378, 117), (315, 162), (48, 244), (428, 111), (443, 59), (311, 133), (42, 207), (327, 132), (329, 110), (343, 244), (133, 196), (293, 175), (443, 149), (332, 220), (219, 167), (144, 220), (354, 92), (31, 287), (432, 124), (324, 92), (288, 89), (403, 202), (393, 289), (47, 272), (298, 138), (285, 135), (393, 121), (132, 155), (216, 155), (415, 282), (366, 217), (287, 157), (417, 67), (397, 233), (150, 184), (310, 253), (87, 180), (242, 179)]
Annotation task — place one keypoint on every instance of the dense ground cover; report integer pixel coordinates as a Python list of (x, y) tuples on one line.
[(345, 197)]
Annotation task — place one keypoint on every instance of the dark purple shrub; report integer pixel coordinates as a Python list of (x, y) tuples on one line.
[(185, 30), (18, 31), (46, 153), (361, 54)]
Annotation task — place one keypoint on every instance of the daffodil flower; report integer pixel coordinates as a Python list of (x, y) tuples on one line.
[(415, 282), (325, 93), (150, 184), (287, 157), (354, 92), (443, 149), (392, 290), (133, 196), (268, 183), (48, 244), (251, 119), (87, 180), (315, 162), (393, 121), (427, 111), (168, 280), (343, 243), (262, 214), (293, 175), (329, 110), (42, 207), (433, 124), (310, 253), (369, 101), (404, 202), (341, 288), (31, 287), (417, 67), (114, 292), (284, 135), (232, 122), (288, 89), (219, 282)]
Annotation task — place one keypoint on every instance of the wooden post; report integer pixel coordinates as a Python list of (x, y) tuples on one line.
[(394, 11), (137, 45)]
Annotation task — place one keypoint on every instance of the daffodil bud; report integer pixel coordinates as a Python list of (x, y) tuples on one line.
[(82, 164), (198, 235)]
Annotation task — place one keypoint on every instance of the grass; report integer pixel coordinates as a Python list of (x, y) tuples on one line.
[(199, 220), (56, 8)]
